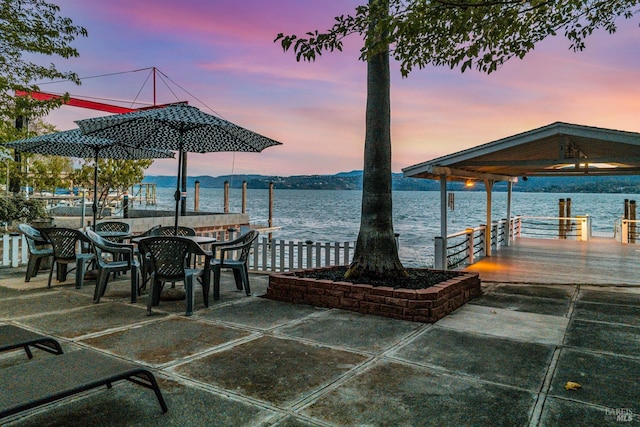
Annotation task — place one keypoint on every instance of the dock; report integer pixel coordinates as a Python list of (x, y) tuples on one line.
[(598, 261)]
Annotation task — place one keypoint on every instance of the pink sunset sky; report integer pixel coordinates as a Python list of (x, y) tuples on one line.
[(220, 57)]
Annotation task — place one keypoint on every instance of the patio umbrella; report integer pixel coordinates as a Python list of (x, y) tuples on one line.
[(178, 127), (73, 143)]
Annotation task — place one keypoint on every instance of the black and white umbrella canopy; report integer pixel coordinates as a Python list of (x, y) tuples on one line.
[(178, 127), (73, 143)]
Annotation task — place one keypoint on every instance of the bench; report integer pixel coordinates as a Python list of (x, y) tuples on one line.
[(38, 382), (12, 337)]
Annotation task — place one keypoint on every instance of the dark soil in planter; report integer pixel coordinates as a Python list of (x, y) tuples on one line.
[(417, 279)]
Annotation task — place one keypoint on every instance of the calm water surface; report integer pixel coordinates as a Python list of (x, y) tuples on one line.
[(334, 216)]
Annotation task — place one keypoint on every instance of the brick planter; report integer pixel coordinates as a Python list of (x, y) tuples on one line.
[(422, 305)]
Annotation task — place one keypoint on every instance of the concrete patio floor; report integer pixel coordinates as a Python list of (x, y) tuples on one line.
[(501, 360)]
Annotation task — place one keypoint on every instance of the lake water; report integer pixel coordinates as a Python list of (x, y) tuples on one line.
[(324, 215)]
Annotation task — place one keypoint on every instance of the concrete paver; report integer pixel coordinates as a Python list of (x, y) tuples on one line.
[(89, 320), (166, 340), (614, 313), (568, 413), (606, 380), (288, 372), (540, 328), (507, 361), (529, 304), (352, 330), (610, 338), (394, 394), (259, 313)]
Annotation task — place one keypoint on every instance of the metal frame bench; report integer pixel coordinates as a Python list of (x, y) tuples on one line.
[(38, 382), (12, 337)]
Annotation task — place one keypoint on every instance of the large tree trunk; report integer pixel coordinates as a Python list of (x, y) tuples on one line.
[(376, 252)]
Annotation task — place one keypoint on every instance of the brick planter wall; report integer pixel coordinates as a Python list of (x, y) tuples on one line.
[(423, 305)]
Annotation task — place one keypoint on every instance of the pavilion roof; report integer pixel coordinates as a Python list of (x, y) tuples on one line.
[(558, 149)]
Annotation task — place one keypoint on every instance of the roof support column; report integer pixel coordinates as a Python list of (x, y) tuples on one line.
[(440, 257), (509, 228), (488, 184)]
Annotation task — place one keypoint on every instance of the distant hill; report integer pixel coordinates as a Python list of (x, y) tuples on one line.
[(353, 181)]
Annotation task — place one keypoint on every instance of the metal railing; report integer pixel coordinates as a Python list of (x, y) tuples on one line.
[(629, 231), (468, 246), (570, 228)]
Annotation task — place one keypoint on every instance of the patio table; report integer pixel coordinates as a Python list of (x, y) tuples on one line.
[(201, 240)]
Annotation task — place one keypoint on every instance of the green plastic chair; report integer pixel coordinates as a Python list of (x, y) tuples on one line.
[(113, 257), (39, 249), (241, 247)]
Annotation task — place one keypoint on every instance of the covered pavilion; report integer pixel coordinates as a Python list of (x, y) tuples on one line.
[(558, 149)]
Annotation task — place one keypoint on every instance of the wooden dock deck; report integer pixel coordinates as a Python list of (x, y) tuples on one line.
[(599, 261)]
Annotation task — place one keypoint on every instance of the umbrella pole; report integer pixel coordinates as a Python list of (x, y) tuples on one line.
[(177, 194), (94, 206)]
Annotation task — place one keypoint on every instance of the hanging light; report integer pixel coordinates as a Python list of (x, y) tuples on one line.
[(468, 183)]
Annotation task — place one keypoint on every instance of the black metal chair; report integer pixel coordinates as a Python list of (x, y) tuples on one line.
[(167, 255), (70, 246), (241, 247), (113, 257), (39, 249)]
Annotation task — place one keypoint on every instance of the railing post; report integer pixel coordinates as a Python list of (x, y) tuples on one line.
[(494, 236), (440, 258), (585, 229), (470, 245), (309, 244), (6, 259), (24, 250), (632, 222), (624, 234), (15, 250), (483, 238), (561, 229), (225, 202)]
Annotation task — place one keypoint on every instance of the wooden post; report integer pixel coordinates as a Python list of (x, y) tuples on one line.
[(567, 221), (270, 207), (561, 219), (626, 208), (244, 196), (226, 197), (632, 223), (470, 246), (196, 198), (509, 223), (441, 244), (439, 259), (488, 184)]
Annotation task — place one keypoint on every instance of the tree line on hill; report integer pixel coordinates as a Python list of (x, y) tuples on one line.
[(353, 181)]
